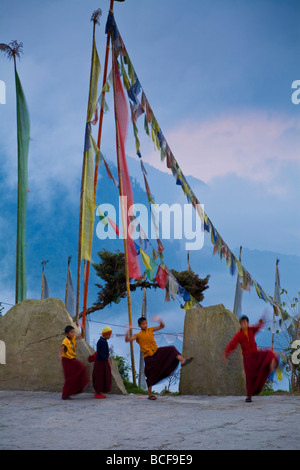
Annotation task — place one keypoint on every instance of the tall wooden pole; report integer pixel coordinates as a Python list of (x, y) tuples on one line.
[(87, 272), (142, 381), (80, 213), (124, 224)]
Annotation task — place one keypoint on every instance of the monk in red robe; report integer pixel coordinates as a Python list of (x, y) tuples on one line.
[(258, 364)]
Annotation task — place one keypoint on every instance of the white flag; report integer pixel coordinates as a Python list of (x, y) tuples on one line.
[(46, 291), (70, 296)]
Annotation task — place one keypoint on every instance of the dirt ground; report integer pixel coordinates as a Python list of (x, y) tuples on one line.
[(42, 420)]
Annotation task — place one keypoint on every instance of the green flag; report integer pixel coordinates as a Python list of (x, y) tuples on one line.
[(23, 132)]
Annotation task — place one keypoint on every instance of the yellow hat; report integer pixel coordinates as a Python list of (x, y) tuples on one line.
[(106, 331)]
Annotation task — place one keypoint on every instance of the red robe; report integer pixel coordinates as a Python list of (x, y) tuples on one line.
[(256, 362)]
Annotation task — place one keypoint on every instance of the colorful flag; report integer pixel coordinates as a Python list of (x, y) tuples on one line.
[(23, 130), (150, 265), (125, 189), (90, 148), (161, 277)]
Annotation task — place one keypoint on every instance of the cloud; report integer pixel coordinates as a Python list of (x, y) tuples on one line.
[(253, 145)]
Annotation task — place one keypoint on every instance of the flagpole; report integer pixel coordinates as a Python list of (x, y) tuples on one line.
[(124, 224), (95, 20), (144, 314), (87, 273)]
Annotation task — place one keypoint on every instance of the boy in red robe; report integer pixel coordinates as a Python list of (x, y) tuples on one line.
[(258, 364), (75, 372)]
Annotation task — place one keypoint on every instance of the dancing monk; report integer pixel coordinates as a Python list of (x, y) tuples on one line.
[(258, 364), (159, 362)]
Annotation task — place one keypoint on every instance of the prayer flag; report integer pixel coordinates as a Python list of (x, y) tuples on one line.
[(279, 374), (46, 290), (188, 305), (70, 295), (23, 130), (88, 198), (161, 277), (150, 272), (182, 292), (125, 185), (173, 287), (237, 308), (277, 297), (146, 259), (109, 174)]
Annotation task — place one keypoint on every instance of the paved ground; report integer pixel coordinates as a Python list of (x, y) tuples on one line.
[(41, 420)]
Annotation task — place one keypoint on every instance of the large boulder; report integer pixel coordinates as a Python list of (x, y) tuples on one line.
[(207, 331), (32, 332)]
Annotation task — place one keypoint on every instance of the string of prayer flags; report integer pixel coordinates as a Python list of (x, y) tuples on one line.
[(141, 106), (161, 144)]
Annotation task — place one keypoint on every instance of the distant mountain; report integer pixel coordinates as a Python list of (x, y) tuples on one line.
[(52, 235)]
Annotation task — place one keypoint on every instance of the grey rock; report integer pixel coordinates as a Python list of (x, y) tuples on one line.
[(207, 332), (32, 332)]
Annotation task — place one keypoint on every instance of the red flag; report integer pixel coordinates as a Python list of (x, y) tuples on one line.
[(161, 277), (125, 188), (114, 226)]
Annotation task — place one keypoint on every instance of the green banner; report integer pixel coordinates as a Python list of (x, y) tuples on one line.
[(23, 132)]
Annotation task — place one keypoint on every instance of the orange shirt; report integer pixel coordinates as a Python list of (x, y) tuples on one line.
[(146, 341)]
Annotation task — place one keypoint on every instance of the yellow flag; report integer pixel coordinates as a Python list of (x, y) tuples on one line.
[(188, 305), (146, 259), (90, 152), (93, 93), (279, 374)]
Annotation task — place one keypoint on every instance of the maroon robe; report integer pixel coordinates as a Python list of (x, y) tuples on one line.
[(161, 364), (256, 362), (76, 378)]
